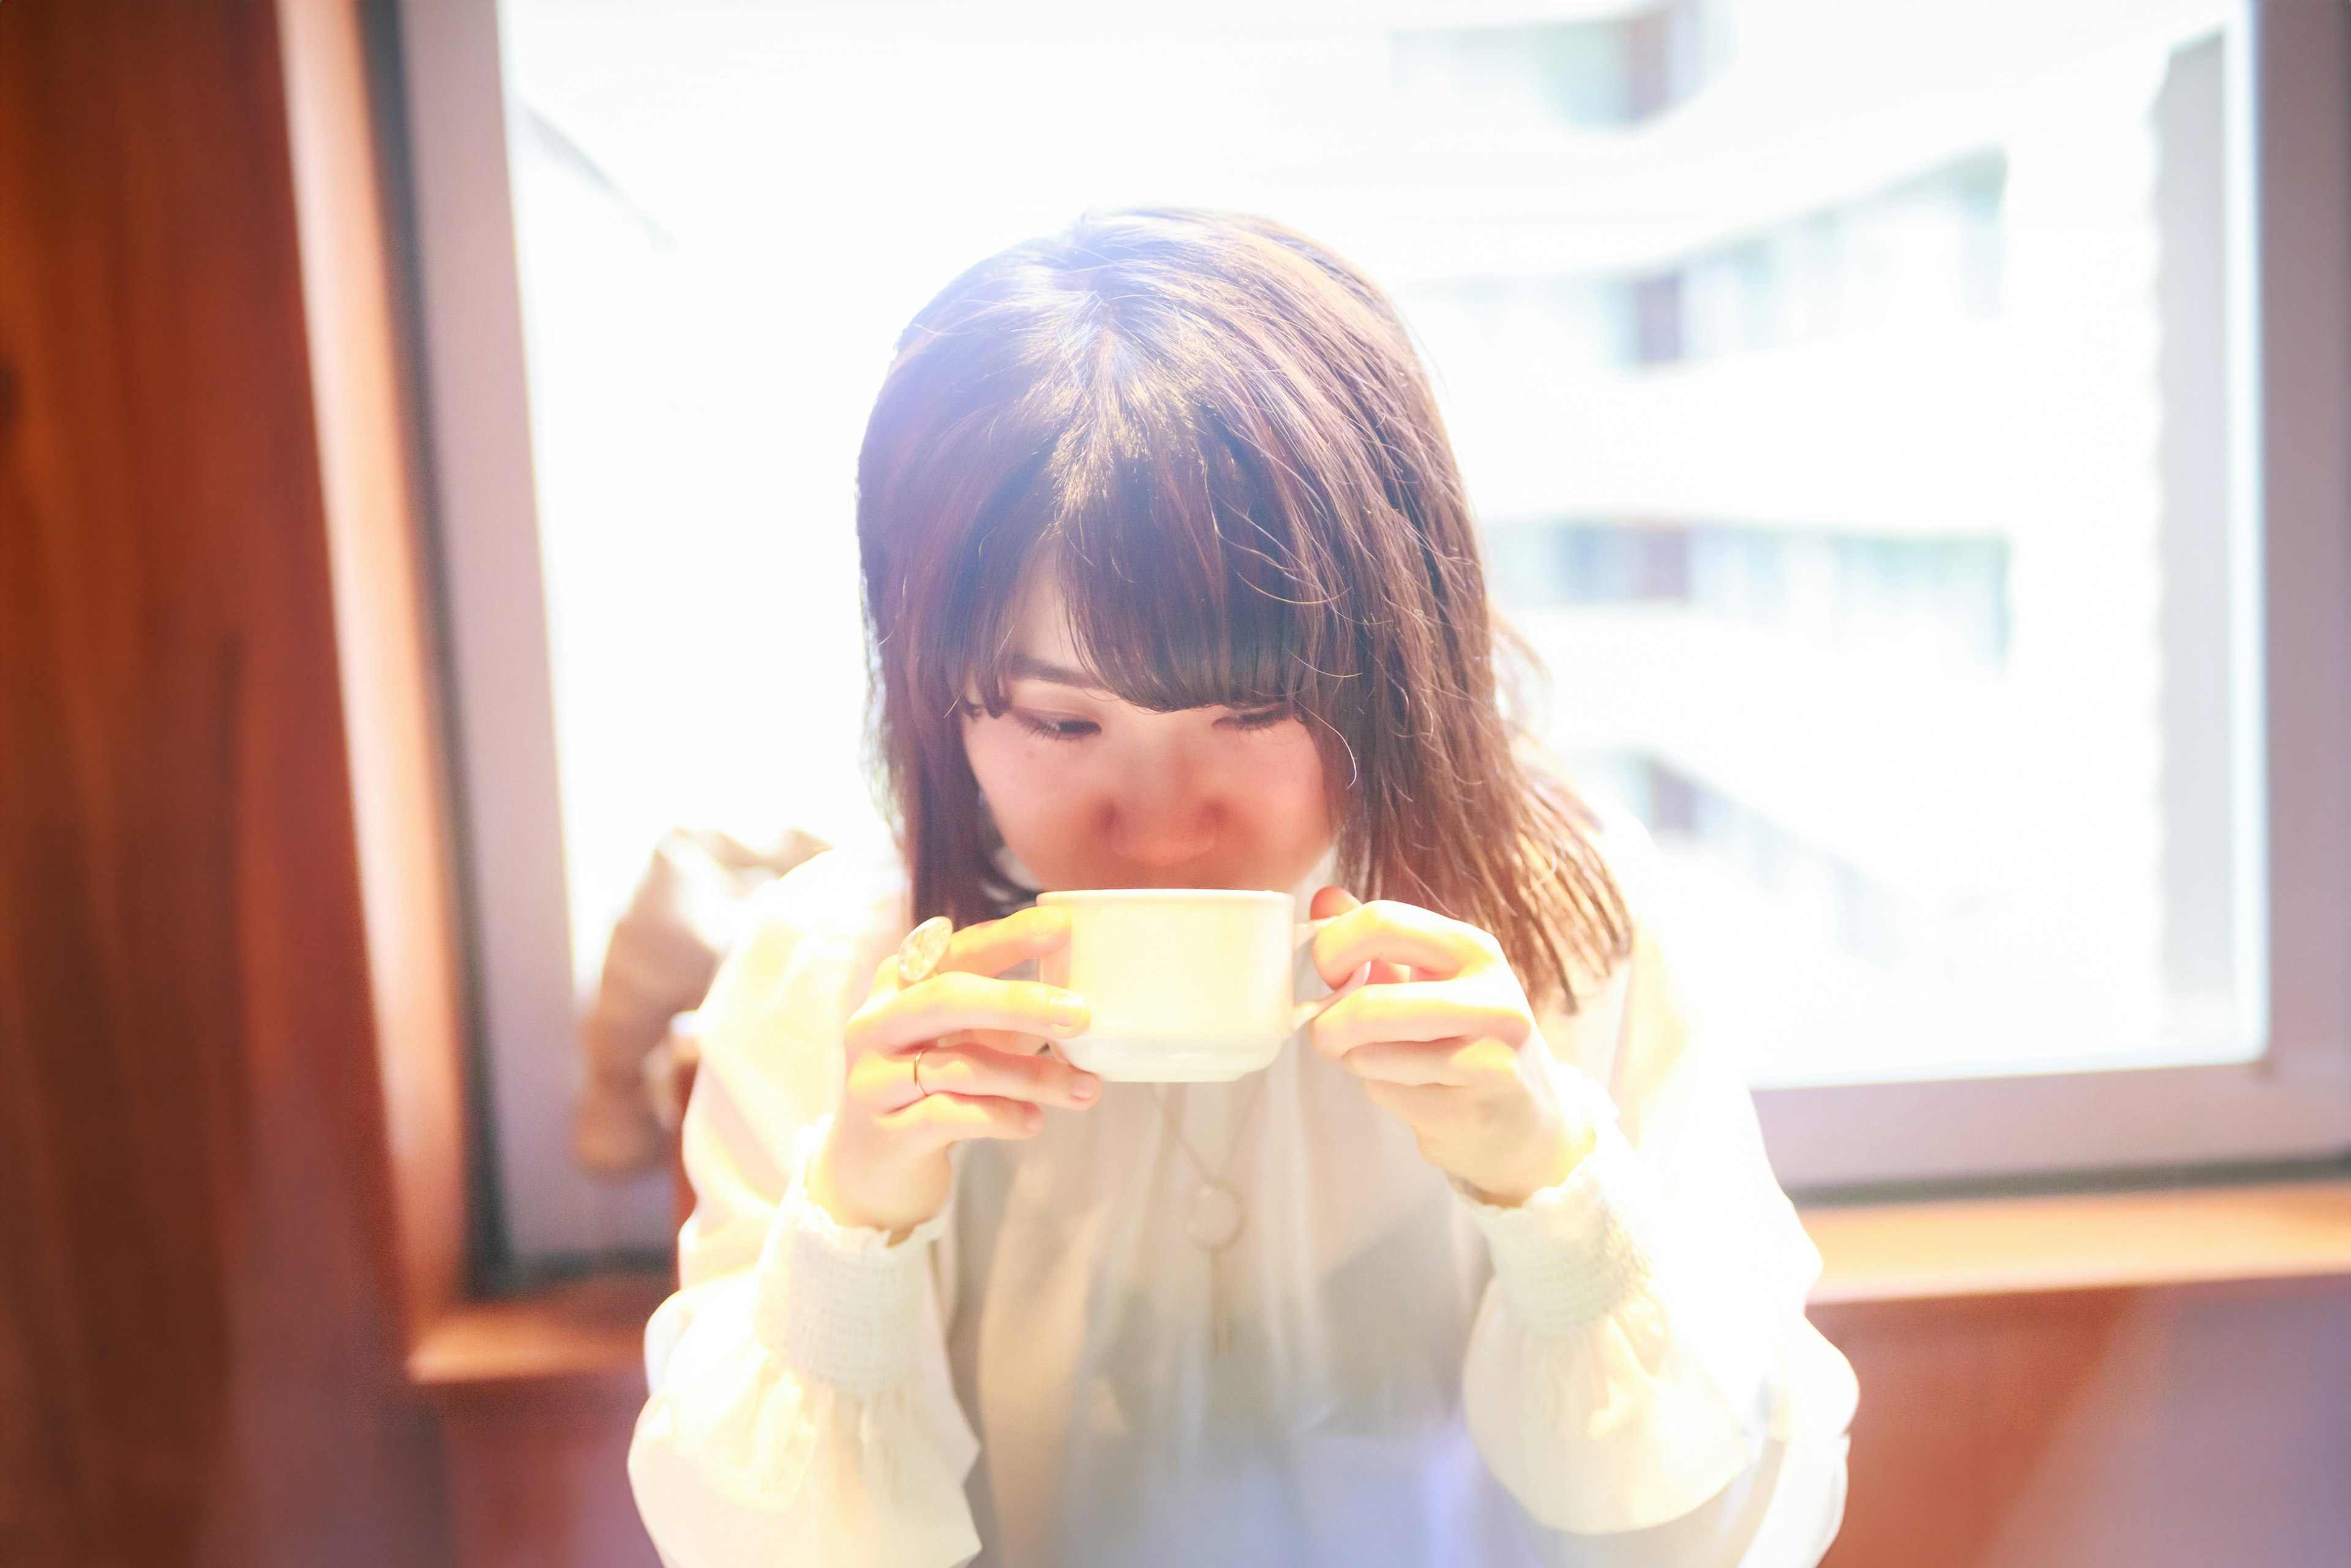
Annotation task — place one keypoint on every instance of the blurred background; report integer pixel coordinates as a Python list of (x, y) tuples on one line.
[(1859, 402), (1849, 392)]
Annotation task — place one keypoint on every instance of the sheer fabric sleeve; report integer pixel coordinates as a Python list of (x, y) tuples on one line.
[(1641, 1374), (800, 1409)]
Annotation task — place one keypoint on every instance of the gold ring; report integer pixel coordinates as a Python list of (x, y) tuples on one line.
[(914, 1064)]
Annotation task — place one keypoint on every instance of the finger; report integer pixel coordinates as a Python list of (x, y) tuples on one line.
[(1409, 1063), (947, 1003), (936, 1120), (1470, 1063), (1399, 934), (993, 947), (1413, 1010), (989, 947), (1014, 1042), (973, 1070), (1328, 903), (1330, 900)]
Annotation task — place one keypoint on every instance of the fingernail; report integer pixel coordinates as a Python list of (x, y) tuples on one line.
[(1067, 1011), (1086, 1087)]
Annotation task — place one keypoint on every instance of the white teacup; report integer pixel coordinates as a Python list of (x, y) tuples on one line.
[(1186, 985)]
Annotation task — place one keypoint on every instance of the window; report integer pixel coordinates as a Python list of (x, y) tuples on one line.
[(1864, 405)]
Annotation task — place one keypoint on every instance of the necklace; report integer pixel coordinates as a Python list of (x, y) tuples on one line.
[(1217, 1217)]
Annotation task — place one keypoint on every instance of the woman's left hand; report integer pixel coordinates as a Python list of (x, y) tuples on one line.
[(1442, 1036)]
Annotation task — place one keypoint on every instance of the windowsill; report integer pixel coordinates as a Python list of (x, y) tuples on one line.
[(2016, 1246), (593, 1330), (583, 1330)]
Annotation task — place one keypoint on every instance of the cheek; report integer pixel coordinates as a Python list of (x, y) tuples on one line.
[(1024, 779), (1277, 781)]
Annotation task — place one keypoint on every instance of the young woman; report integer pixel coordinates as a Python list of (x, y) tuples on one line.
[(1170, 581)]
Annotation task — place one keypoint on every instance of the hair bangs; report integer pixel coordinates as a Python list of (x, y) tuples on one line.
[(1178, 556)]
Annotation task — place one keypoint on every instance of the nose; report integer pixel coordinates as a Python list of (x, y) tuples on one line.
[(1161, 820)]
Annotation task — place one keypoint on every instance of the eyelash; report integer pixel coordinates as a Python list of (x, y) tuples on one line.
[(1053, 729), (1078, 730), (1263, 718)]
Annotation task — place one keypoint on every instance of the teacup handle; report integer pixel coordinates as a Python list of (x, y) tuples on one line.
[(1305, 976)]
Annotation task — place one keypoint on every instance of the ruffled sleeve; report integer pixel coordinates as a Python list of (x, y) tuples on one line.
[(1641, 1375), (801, 1410)]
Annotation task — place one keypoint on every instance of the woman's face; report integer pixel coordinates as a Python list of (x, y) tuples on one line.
[(1090, 790)]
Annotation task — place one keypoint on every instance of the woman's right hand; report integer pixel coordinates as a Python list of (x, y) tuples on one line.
[(884, 1165)]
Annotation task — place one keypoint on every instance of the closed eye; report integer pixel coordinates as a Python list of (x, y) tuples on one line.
[(1056, 729), (1259, 718)]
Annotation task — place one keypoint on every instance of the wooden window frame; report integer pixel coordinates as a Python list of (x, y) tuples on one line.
[(395, 736)]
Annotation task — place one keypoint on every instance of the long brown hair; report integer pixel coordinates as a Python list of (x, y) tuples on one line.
[(1227, 447)]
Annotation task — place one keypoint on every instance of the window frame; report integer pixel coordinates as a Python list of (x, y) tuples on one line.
[(2292, 1104), (523, 1059)]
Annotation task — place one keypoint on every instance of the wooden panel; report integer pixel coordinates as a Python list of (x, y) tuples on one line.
[(391, 707), (538, 1474), (200, 1356), (2160, 1428), (1958, 1400)]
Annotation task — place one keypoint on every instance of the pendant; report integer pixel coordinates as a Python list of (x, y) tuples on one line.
[(1214, 1225), (1215, 1222)]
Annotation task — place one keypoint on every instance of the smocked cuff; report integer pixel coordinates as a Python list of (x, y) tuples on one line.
[(841, 1304), (1570, 1253)]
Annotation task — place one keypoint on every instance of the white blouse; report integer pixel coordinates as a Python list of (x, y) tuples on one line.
[(1616, 1372)]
